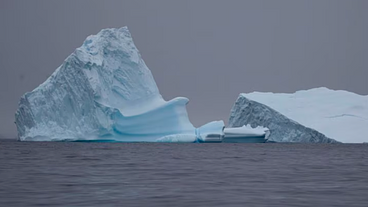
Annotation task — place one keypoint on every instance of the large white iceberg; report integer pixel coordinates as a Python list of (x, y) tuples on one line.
[(104, 91), (338, 114)]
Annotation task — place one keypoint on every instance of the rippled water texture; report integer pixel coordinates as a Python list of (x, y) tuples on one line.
[(110, 174)]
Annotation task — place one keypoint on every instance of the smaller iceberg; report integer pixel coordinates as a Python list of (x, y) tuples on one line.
[(246, 134), (282, 128), (338, 114), (211, 132)]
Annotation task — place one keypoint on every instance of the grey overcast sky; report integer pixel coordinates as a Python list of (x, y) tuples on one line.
[(206, 50)]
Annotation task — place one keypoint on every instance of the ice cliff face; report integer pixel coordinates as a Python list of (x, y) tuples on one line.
[(282, 128), (103, 90)]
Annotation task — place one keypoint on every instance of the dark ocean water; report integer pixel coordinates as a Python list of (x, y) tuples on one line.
[(120, 174)]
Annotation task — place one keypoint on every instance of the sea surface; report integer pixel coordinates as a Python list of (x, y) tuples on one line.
[(142, 174)]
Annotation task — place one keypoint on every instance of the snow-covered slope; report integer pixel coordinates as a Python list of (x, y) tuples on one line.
[(103, 90), (338, 114)]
